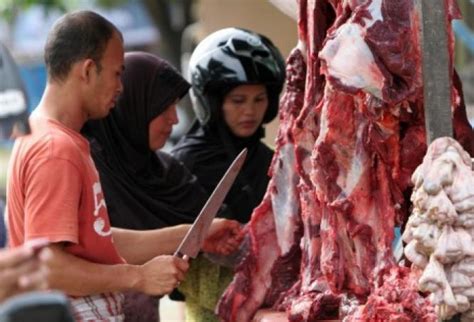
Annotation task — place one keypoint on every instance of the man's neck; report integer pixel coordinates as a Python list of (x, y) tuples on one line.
[(60, 104)]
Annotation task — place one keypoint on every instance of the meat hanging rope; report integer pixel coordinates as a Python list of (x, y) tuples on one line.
[(351, 134)]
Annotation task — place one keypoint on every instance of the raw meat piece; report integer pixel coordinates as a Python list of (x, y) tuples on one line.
[(275, 227), (395, 301), (351, 134)]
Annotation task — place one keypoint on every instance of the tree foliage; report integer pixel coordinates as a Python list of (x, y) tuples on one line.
[(10, 8), (170, 17)]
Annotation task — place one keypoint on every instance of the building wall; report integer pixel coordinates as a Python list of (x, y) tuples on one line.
[(257, 15)]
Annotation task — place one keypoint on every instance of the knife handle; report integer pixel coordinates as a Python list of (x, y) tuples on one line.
[(179, 254)]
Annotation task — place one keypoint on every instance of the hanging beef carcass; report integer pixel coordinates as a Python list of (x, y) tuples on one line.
[(351, 134)]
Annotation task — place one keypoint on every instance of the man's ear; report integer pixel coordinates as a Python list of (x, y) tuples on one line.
[(87, 68)]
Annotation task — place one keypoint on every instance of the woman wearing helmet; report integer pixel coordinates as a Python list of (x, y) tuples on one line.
[(236, 76)]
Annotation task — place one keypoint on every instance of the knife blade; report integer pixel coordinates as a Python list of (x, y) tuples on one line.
[(192, 242)]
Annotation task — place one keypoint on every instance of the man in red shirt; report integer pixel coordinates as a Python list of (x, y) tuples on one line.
[(54, 190)]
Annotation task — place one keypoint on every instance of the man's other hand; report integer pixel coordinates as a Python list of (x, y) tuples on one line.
[(23, 269), (224, 237)]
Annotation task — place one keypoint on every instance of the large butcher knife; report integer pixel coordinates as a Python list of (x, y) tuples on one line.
[(436, 76), (194, 238)]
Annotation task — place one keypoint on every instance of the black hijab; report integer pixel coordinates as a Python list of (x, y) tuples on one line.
[(207, 151), (143, 190)]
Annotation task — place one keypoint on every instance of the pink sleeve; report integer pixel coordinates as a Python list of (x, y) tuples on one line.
[(52, 195)]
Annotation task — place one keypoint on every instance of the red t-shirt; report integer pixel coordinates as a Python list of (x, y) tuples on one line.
[(54, 192)]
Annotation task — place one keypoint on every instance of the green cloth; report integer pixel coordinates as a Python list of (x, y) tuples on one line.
[(204, 284)]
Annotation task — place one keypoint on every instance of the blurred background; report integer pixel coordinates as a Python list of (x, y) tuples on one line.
[(170, 29)]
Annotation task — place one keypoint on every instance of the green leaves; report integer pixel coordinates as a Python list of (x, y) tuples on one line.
[(10, 8)]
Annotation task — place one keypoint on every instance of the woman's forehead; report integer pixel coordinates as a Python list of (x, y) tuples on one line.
[(248, 89)]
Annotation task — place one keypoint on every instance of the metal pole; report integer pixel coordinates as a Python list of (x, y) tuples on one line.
[(436, 70), (436, 74)]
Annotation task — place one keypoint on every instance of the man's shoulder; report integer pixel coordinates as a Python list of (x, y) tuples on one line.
[(52, 143)]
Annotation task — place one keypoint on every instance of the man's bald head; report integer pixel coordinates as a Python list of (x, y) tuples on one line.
[(76, 36)]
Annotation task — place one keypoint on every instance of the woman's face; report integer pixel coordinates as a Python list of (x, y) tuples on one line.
[(160, 127), (244, 108)]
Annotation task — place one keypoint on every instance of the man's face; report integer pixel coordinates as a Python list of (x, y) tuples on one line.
[(106, 83)]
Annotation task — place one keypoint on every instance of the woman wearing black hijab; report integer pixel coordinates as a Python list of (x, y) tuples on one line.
[(236, 78), (144, 189)]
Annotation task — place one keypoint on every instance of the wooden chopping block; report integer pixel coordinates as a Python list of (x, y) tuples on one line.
[(268, 315)]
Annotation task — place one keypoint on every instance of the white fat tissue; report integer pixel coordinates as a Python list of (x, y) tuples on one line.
[(439, 233), (350, 60)]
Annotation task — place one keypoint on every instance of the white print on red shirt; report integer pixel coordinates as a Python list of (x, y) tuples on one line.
[(99, 202)]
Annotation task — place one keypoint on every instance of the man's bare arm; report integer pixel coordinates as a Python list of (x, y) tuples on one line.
[(138, 246), (78, 277)]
